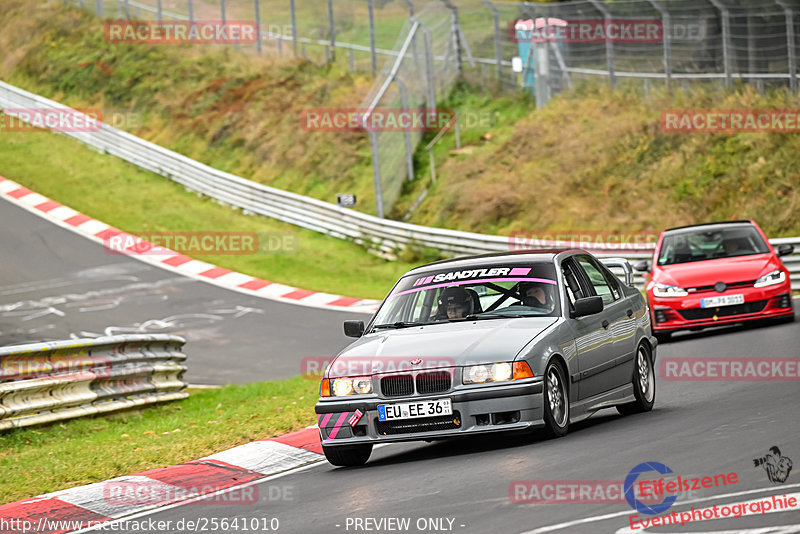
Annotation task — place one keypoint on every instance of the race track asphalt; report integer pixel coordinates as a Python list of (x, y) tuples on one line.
[(55, 284)]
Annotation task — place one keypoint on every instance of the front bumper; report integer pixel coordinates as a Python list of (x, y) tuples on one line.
[(489, 408), (672, 314)]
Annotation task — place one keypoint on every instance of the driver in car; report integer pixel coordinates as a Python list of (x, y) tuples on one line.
[(454, 303)]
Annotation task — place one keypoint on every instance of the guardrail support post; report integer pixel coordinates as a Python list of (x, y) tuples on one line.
[(191, 10), (790, 44), (127, 10), (99, 8), (221, 10), (160, 11)]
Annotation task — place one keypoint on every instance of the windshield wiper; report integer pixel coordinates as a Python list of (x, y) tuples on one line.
[(399, 324)]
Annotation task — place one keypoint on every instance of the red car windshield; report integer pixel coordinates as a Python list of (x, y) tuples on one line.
[(703, 244)]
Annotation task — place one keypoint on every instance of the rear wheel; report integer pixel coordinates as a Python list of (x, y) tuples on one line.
[(644, 383), (556, 401), (348, 455)]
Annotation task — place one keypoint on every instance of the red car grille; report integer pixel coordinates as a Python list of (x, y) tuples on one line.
[(701, 289), (725, 311)]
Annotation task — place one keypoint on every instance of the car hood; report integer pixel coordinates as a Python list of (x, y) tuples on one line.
[(439, 345), (709, 272)]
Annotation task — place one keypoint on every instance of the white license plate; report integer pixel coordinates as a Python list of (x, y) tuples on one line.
[(410, 410), (725, 300)]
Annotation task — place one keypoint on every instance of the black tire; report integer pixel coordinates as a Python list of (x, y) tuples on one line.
[(348, 455), (556, 401), (644, 383), (663, 337)]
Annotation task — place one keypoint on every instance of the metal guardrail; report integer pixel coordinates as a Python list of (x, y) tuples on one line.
[(383, 235), (46, 382)]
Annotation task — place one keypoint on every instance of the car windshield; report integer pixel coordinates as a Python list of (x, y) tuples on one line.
[(482, 292), (699, 245)]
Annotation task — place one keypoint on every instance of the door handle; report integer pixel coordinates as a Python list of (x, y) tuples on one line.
[(605, 324), (630, 313)]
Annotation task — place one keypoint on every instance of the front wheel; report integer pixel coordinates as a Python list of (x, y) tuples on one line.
[(348, 455), (644, 384), (556, 401)]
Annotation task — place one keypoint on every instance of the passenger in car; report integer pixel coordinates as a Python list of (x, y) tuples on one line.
[(536, 295)]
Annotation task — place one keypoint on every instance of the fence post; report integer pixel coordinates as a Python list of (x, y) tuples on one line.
[(456, 34), (99, 8), (498, 54), (371, 11), (331, 32), (406, 133), (258, 25), (350, 62), (159, 11), (726, 40), (294, 27), (191, 10), (376, 174), (790, 43), (127, 10), (609, 45), (667, 29), (430, 82), (221, 10)]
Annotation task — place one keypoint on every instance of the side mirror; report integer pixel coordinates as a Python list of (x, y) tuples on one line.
[(588, 306), (354, 328), (642, 266), (785, 250)]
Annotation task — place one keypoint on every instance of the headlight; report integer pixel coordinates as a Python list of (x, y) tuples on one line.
[(351, 386), (775, 277), (493, 372), (663, 290)]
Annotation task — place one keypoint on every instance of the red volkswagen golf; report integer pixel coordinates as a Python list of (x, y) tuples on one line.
[(716, 273)]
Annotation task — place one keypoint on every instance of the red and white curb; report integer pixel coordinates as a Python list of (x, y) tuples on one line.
[(173, 261), (236, 470)]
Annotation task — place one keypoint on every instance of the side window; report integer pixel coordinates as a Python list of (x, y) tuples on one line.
[(598, 280)]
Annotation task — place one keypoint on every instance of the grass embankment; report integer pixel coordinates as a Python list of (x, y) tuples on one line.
[(229, 109), (596, 159), (42, 459)]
